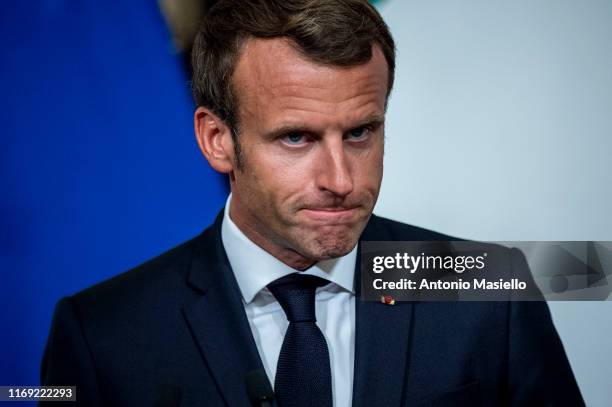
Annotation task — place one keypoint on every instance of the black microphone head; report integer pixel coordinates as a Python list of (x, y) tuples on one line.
[(168, 395), (258, 387)]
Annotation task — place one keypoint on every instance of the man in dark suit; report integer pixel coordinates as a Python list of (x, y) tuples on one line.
[(291, 101)]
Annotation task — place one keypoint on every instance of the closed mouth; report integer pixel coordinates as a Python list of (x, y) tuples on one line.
[(331, 214)]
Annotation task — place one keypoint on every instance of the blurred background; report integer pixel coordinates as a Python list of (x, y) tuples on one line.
[(499, 128)]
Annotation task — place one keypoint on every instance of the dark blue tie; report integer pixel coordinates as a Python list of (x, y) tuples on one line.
[(303, 373)]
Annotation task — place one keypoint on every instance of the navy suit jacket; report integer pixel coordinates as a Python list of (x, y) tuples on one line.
[(174, 329)]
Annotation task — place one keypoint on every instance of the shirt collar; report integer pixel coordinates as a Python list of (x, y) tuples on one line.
[(255, 268)]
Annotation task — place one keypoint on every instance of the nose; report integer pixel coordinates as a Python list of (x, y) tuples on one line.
[(334, 169)]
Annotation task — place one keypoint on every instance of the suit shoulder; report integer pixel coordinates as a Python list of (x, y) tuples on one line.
[(401, 231), (161, 275)]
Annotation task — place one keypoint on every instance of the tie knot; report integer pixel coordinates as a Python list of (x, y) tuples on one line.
[(296, 294)]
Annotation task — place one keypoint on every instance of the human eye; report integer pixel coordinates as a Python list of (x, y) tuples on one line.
[(358, 133), (294, 139)]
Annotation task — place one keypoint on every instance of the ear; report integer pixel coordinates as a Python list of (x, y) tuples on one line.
[(215, 140)]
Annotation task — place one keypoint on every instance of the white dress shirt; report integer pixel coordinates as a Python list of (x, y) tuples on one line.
[(255, 268)]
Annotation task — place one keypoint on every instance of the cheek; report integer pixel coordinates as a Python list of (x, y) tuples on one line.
[(273, 176), (368, 170)]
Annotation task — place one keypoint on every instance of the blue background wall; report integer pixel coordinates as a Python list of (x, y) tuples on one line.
[(99, 168)]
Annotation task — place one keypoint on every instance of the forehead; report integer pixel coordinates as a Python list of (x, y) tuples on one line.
[(272, 77)]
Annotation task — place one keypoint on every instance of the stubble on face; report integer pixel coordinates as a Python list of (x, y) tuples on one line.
[(306, 201)]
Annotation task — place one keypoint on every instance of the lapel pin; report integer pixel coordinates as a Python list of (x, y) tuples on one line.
[(387, 299)]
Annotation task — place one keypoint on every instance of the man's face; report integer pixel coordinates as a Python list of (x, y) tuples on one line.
[(312, 141)]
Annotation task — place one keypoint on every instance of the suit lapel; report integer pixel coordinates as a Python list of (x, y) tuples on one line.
[(382, 341), (217, 319)]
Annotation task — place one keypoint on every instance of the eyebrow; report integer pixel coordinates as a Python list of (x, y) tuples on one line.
[(373, 121)]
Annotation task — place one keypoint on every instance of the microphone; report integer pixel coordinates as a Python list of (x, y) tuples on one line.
[(168, 395), (259, 389)]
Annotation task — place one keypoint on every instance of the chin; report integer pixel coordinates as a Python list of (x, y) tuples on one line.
[(329, 247), (327, 241)]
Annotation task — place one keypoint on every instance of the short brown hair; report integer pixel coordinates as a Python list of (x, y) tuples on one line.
[(332, 32)]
